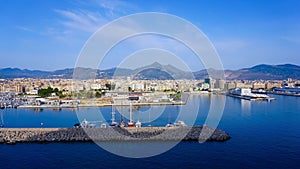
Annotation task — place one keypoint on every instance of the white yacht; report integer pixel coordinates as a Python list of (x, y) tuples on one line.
[(170, 125), (87, 124), (138, 124), (103, 125), (179, 123)]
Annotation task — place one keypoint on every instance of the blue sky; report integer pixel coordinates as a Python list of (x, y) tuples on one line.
[(49, 35)]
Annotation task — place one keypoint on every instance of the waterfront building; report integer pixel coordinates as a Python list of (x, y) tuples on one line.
[(243, 85), (229, 86), (258, 85), (210, 81), (207, 80), (19, 88), (205, 86), (137, 86), (220, 84), (241, 91)]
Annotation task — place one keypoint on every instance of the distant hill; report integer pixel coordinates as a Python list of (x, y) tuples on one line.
[(19, 73), (160, 72), (266, 72), (152, 74)]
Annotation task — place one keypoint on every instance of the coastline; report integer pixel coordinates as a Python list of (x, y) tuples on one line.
[(102, 105)]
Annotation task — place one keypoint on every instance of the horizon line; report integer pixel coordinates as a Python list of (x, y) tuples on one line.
[(1, 68)]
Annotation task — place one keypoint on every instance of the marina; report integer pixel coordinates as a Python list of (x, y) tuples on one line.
[(131, 122)]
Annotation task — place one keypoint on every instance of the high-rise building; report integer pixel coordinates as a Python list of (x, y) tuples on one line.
[(207, 80), (220, 84), (210, 81)]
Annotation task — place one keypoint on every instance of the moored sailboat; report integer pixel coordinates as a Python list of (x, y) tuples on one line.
[(130, 123), (113, 119)]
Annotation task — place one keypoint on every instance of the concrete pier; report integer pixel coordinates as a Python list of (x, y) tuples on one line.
[(26, 135)]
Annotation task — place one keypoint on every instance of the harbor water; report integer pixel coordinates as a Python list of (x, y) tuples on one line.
[(264, 135)]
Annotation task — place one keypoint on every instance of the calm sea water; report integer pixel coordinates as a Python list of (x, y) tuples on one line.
[(264, 135)]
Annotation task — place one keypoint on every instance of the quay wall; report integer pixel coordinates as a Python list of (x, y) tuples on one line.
[(100, 105)]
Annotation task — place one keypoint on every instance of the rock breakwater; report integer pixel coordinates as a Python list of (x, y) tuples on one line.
[(15, 135)]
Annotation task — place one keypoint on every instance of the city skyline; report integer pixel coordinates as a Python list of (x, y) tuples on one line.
[(49, 35)]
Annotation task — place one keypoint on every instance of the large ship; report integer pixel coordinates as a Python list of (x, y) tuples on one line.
[(245, 93)]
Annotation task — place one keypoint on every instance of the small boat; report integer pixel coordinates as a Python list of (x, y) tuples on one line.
[(103, 125), (114, 124), (130, 124), (138, 124), (179, 123), (87, 124), (122, 124), (170, 125), (77, 125)]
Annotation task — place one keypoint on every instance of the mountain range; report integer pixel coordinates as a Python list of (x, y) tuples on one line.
[(160, 72)]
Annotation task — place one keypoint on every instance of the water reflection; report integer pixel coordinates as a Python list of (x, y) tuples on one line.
[(245, 107), (216, 108), (37, 110)]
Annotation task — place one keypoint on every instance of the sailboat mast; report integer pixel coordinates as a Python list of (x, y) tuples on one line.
[(122, 112), (113, 114), (130, 113)]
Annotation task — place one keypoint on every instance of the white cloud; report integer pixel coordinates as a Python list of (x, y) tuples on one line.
[(82, 20), (23, 28), (117, 7), (91, 16)]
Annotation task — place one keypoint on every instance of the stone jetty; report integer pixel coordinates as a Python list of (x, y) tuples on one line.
[(23, 135)]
